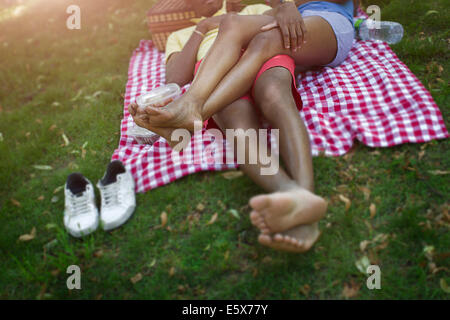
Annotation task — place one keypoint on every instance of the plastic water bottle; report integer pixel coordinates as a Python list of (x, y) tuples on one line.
[(387, 31)]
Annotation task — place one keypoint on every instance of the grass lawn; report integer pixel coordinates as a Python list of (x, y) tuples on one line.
[(57, 83)]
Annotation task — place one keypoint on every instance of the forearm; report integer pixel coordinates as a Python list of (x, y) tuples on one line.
[(180, 66)]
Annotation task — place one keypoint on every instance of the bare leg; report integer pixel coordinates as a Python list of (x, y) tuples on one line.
[(320, 49), (241, 115), (234, 35), (274, 97)]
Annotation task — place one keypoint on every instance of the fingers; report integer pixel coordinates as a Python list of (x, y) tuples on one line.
[(300, 35), (293, 37), (152, 111), (286, 36), (304, 30), (132, 109), (269, 26)]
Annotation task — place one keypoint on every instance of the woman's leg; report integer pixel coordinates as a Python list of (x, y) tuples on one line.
[(235, 32), (320, 49)]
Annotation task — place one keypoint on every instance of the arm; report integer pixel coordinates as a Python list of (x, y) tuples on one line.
[(180, 65)]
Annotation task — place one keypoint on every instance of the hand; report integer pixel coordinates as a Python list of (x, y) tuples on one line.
[(210, 23), (291, 24)]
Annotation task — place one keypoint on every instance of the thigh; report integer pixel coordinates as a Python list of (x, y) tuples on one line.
[(320, 47), (244, 27), (239, 114)]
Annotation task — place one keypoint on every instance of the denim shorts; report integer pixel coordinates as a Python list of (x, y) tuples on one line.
[(343, 29)]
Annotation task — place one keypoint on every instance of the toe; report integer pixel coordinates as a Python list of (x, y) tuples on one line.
[(265, 230), (293, 241), (278, 237), (255, 217), (261, 225), (265, 239), (259, 202)]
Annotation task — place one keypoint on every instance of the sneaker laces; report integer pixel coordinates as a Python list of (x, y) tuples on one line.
[(79, 204), (110, 195)]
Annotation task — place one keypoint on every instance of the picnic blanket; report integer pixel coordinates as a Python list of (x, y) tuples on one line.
[(372, 97)]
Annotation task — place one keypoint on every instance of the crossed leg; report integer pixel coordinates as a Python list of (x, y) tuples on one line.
[(219, 84), (273, 95), (287, 216)]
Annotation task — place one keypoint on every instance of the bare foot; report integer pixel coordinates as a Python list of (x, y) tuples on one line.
[(181, 113), (299, 239), (141, 118), (281, 211)]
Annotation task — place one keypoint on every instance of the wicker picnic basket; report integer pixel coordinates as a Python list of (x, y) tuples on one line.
[(167, 16)]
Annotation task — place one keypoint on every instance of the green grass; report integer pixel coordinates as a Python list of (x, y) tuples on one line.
[(55, 81)]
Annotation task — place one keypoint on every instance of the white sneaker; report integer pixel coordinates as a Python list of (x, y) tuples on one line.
[(80, 213), (118, 198)]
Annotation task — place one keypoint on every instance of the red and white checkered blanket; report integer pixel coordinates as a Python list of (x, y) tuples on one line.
[(372, 97)]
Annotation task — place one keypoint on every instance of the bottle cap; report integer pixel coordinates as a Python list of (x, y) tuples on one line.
[(358, 23)]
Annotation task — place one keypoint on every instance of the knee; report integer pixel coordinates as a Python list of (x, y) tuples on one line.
[(263, 43), (229, 25), (273, 97)]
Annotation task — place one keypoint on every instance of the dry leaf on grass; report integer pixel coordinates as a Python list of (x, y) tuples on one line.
[(42, 167), (213, 219), (171, 272), (58, 189), (98, 253), (366, 191), (346, 200), (444, 285), (234, 213), (28, 237), (362, 264), (66, 140), (152, 264), (305, 290), (200, 207), (363, 244), (163, 219), (230, 175), (351, 290), (136, 278), (421, 154), (439, 172), (373, 210), (15, 202)]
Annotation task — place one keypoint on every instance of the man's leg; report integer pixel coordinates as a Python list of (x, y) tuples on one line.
[(273, 95), (241, 115)]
